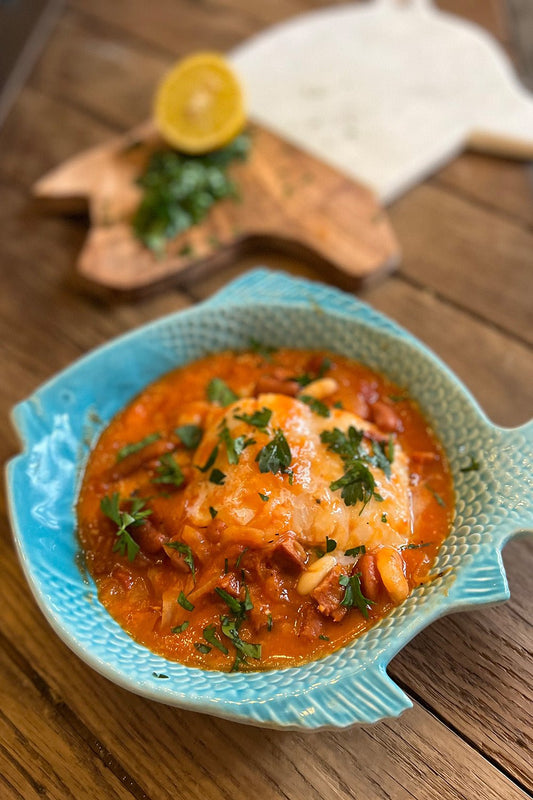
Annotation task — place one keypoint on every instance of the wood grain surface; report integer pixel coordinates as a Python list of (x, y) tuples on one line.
[(464, 288)]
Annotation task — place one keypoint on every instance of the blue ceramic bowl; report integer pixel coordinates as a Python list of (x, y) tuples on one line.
[(60, 421)]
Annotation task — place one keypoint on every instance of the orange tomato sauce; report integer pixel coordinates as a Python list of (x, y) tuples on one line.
[(205, 563)]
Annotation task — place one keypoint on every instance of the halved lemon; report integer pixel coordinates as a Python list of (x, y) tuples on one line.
[(199, 105)]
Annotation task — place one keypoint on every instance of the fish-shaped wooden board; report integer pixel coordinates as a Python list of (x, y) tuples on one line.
[(289, 200)]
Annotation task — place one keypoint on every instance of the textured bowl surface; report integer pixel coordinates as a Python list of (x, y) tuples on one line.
[(58, 424)]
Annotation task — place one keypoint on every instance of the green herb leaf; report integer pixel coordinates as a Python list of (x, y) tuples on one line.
[(360, 550), (184, 550), (331, 545), (346, 445), (190, 435), (259, 419), (211, 637), (269, 622), (180, 628), (239, 557), (202, 648), (159, 675), (110, 506), (219, 392), (218, 477), (213, 512), (184, 603), (129, 449), (316, 406), (357, 485), (169, 471), (226, 566), (324, 637), (246, 649), (437, 496), (179, 190), (210, 461), (353, 596), (264, 497), (338, 404), (234, 447), (276, 455), (233, 604), (474, 466), (415, 546), (384, 517), (264, 350)]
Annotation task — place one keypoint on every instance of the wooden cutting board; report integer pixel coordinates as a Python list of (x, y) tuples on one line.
[(289, 200)]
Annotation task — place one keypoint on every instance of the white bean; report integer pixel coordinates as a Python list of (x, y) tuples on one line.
[(318, 570), (322, 387)]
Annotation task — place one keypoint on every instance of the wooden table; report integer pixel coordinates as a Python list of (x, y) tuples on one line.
[(464, 288)]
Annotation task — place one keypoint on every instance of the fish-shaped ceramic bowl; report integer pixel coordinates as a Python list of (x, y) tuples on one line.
[(59, 422)]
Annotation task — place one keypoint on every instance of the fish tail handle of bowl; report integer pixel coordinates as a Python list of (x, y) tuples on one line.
[(507, 471)]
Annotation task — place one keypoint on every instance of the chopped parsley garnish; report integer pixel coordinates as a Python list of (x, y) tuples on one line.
[(306, 378), (316, 406), (276, 455), (213, 512), (190, 435), (357, 485), (266, 351), (259, 419), (233, 604), (185, 551), (217, 476), (226, 566), (202, 648), (324, 637), (210, 461), (264, 497), (474, 466), (239, 557), (353, 596), (180, 628), (179, 190), (384, 517), (129, 449), (219, 392), (347, 446), (269, 622), (169, 471), (230, 628), (331, 545), (159, 675), (360, 550), (338, 404), (110, 506), (414, 546), (437, 496), (234, 447), (184, 603), (211, 637)]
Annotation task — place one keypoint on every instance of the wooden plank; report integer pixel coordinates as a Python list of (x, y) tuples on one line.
[(159, 748), (520, 13), (40, 753), (497, 370), (471, 256), (494, 183)]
